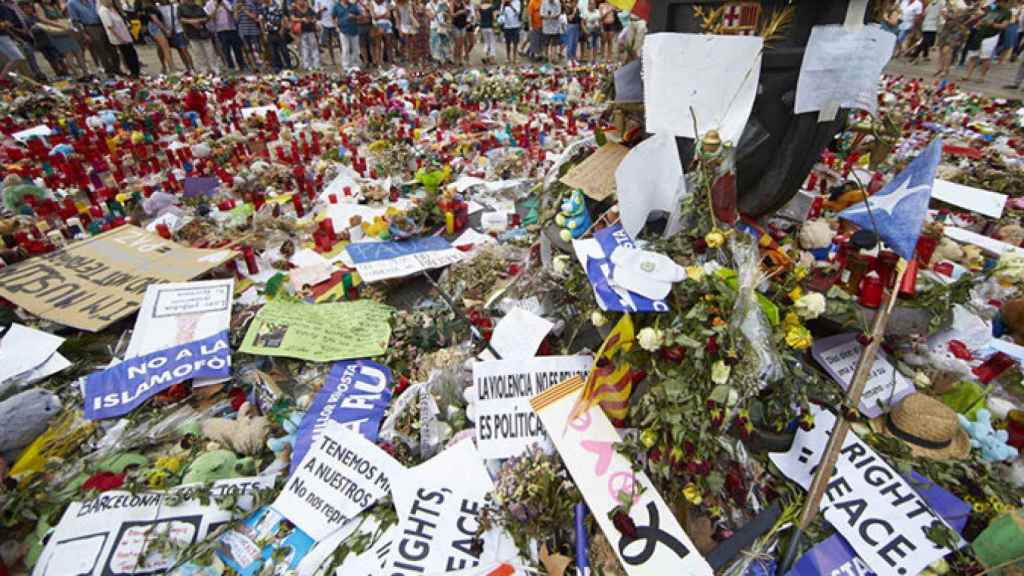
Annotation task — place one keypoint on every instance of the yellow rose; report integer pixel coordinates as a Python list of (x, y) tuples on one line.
[(798, 337), (648, 438), (714, 239), (800, 272), (692, 494), (790, 320), (795, 294), (695, 273)]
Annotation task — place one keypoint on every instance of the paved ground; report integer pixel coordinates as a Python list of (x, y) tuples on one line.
[(998, 76)]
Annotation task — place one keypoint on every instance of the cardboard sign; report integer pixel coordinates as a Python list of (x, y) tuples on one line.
[(122, 388), (319, 332), (841, 67), (594, 254), (178, 313), (587, 446), (997, 247), (241, 551), (97, 281), (108, 535), (596, 175), (439, 504), (990, 204), (354, 395), (383, 260), (505, 424), (341, 475), (835, 556), (869, 503), (712, 78), (886, 387)]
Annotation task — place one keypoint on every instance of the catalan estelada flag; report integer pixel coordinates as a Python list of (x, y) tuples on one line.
[(609, 384), (639, 7)]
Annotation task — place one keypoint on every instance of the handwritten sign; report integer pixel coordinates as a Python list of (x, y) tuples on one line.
[(841, 67), (587, 446), (109, 533), (885, 387), (354, 395), (383, 260), (869, 503), (319, 332), (95, 282), (123, 387), (340, 476), (505, 423), (439, 504)]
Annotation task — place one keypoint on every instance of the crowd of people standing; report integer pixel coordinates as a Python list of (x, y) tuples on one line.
[(973, 33), (258, 35)]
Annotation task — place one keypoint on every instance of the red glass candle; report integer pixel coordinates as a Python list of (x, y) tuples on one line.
[(871, 289), (250, 260)]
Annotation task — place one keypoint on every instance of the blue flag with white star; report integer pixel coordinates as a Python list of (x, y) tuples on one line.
[(900, 208)]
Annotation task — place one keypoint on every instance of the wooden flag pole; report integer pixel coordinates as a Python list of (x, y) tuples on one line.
[(835, 443)]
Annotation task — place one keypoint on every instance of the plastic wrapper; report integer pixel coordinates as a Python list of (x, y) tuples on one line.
[(747, 317)]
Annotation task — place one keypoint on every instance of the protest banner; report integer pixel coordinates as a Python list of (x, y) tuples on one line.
[(123, 387), (587, 447), (841, 68), (874, 508), (505, 423), (839, 354), (354, 395), (835, 556), (92, 283), (177, 313), (319, 332), (241, 550), (383, 260), (340, 476), (439, 504), (108, 535), (595, 256)]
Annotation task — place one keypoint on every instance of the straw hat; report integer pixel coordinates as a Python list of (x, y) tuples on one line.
[(929, 427)]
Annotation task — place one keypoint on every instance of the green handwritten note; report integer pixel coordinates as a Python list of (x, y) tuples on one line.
[(320, 332)]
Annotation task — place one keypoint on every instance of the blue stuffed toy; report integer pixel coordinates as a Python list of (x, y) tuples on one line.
[(573, 219), (992, 442)]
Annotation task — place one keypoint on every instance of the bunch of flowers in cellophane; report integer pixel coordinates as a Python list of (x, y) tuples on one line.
[(747, 317)]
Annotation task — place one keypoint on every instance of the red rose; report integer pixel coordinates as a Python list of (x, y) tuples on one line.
[(624, 524), (103, 481)]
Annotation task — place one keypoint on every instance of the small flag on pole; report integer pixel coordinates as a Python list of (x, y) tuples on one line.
[(899, 209), (608, 384)]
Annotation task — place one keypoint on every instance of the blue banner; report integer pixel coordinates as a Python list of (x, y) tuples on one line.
[(834, 556), (120, 389), (355, 395), (363, 252), (599, 271)]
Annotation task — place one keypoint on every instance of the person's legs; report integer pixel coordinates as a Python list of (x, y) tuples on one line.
[(333, 38), (131, 59), (225, 49), (572, 46), (972, 62)]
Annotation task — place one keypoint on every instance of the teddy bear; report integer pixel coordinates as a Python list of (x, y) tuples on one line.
[(1012, 234), (947, 250), (1011, 317), (245, 434), (816, 234), (991, 442)]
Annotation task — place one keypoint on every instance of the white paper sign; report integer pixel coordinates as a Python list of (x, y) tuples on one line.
[(649, 178), (259, 111), (505, 424), (40, 131), (997, 247), (881, 516), (715, 76), (885, 387), (443, 498), (108, 534), (23, 349), (587, 446), (342, 474), (990, 204), (518, 335), (842, 66)]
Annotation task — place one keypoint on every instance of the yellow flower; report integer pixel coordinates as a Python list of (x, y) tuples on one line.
[(765, 241), (798, 337), (692, 494), (800, 272), (714, 239), (157, 479), (795, 294), (790, 320), (169, 463), (648, 437), (695, 273)]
